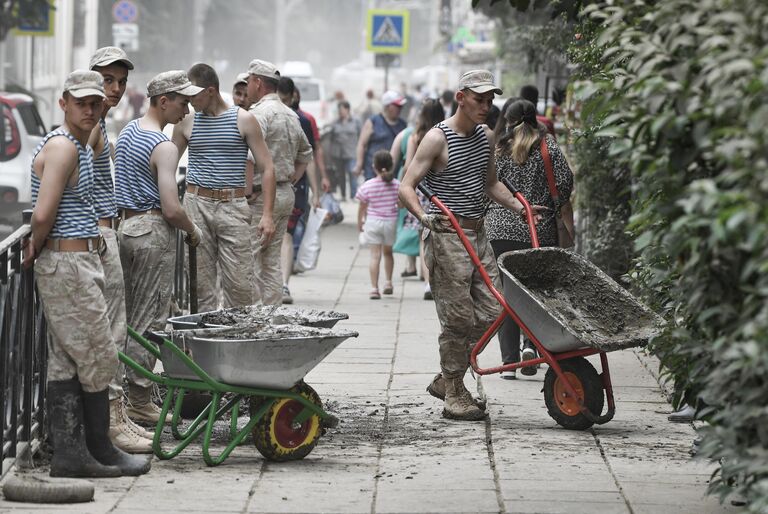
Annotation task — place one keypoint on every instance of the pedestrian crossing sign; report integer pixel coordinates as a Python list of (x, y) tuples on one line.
[(388, 31)]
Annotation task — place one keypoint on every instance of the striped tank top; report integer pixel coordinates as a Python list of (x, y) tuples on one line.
[(217, 151), (135, 187), (461, 185), (103, 186), (75, 217)]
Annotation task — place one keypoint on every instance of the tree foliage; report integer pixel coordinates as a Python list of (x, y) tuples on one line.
[(681, 89)]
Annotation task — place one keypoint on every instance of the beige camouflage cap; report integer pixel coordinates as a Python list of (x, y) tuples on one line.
[(82, 83), (175, 81), (479, 81), (109, 55), (263, 69), (242, 78)]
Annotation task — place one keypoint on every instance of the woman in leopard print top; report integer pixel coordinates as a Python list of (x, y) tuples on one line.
[(518, 157)]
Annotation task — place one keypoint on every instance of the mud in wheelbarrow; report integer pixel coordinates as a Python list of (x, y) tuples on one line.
[(258, 314), (261, 364)]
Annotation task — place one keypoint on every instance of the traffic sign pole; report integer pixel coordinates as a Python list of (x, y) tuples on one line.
[(388, 33)]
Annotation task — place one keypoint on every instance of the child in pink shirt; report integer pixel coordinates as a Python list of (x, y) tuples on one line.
[(377, 219)]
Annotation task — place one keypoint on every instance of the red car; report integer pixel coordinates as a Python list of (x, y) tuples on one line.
[(21, 129)]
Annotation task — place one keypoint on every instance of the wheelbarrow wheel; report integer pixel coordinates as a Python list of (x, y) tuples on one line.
[(564, 409), (278, 438)]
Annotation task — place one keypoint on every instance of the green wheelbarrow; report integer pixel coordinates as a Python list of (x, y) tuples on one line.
[(262, 365)]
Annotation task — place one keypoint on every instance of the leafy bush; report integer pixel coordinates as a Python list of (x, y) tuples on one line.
[(681, 87)]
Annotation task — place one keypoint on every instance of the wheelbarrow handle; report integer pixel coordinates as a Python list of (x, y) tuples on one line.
[(425, 190)]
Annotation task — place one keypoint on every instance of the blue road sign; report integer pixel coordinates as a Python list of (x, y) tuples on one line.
[(125, 11), (388, 31)]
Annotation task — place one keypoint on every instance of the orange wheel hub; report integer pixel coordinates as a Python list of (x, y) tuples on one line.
[(568, 404)]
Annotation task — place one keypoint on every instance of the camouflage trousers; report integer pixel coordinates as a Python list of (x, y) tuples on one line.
[(71, 287), (148, 256), (267, 275), (465, 307), (114, 293), (226, 243)]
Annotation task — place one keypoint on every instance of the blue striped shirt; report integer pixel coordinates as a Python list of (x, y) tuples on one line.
[(135, 187), (103, 186), (217, 151), (461, 185), (75, 217)]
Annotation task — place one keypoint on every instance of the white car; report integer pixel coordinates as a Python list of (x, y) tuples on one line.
[(21, 129)]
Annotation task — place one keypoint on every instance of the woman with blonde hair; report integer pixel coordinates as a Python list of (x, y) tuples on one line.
[(519, 158)]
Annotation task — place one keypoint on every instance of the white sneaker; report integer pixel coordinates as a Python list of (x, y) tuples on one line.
[(528, 353), (509, 375)]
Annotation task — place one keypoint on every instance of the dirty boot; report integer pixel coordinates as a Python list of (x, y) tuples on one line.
[(122, 434), (458, 403), (71, 457), (96, 412), (141, 408), (437, 389)]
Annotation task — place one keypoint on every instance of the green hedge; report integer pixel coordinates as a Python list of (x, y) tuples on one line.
[(681, 89)]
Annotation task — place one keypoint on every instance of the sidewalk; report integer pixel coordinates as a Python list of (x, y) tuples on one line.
[(393, 452)]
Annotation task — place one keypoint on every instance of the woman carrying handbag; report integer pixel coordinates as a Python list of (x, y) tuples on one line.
[(532, 160)]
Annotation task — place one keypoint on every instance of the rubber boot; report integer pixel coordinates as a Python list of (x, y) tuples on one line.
[(457, 402), (141, 408), (437, 389), (96, 410), (121, 433), (71, 457)]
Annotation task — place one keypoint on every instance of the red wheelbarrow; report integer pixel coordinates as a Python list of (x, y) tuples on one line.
[(569, 309)]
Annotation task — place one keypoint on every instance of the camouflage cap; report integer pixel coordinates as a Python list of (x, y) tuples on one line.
[(263, 69), (82, 83), (175, 81), (479, 81), (109, 55), (242, 78)]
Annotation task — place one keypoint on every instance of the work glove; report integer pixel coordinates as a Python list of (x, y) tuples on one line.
[(436, 223), (193, 238)]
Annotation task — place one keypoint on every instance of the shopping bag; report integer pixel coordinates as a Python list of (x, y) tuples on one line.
[(309, 250), (407, 239)]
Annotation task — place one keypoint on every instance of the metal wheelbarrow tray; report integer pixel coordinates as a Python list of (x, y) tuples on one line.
[(569, 303), (258, 314), (266, 356)]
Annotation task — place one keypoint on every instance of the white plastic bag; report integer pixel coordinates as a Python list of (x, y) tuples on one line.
[(309, 250)]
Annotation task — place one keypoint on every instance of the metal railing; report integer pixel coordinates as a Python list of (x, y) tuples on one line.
[(22, 353)]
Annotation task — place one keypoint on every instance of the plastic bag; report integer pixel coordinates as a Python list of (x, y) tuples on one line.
[(330, 204), (309, 251)]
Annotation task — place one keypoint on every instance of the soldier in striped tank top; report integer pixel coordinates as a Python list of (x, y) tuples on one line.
[(113, 65), (455, 160), (146, 191), (218, 138), (82, 352)]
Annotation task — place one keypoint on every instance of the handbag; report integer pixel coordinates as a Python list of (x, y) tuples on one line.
[(309, 250), (564, 236), (407, 239)]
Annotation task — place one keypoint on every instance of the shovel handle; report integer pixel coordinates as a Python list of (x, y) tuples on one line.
[(192, 280)]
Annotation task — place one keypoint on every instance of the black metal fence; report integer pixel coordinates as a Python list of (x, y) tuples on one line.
[(22, 353)]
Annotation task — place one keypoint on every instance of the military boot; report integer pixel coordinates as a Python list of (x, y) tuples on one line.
[(71, 457), (458, 402), (96, 411), (141, 408), (437, 389), (122, 434)]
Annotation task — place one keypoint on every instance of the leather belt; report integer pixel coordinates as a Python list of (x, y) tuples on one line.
[(223, 195), (75, 245), (108, 223), (475, 224), (130, 213)]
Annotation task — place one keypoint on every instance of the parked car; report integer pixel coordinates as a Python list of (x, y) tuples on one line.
[(313, 99), (21, 129)]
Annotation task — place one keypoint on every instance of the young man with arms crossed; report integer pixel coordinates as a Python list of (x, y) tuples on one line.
[(113, 65), (455, 160), (219, 137), (147, 195), (82, 353), (290, 152)]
